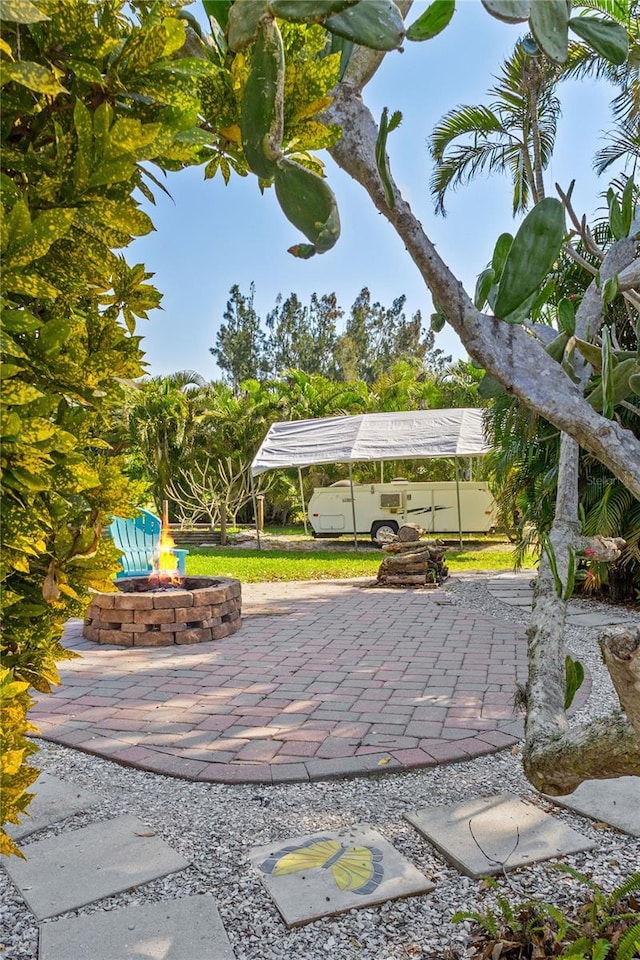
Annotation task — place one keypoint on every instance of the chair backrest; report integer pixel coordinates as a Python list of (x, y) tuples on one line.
[(137, 538)]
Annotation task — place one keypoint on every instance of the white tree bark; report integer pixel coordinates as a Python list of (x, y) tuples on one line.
[(556, 758), (506, 351)]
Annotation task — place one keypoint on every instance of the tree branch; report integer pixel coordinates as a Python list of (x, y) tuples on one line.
[(601, 750), (506, 351), (620, 648)]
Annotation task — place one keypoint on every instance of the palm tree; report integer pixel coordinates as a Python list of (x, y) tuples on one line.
[(163, 415), (515, 133)]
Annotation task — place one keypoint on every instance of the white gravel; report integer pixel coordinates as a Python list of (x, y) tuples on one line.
[(215, 826)]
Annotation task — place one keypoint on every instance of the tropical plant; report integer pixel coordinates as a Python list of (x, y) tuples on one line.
[(513, 134), (603, 925), (163, 415), (92, 101)]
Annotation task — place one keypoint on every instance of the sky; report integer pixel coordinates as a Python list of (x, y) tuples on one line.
[(209, 237)]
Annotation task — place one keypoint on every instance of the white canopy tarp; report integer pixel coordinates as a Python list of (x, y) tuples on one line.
[(408, 435)]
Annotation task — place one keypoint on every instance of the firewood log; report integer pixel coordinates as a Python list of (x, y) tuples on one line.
[(410, 531)]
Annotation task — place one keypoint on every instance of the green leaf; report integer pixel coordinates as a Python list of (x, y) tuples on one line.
[(535, 247), (31, 285), (607, 38), (510, 11), (567, 316), (86, 71), (373, 23), (219, 10), (620, 384), (381, 157), (54, 334), (489, 388), (303, 251), (438, 321), (433, 21), (607, 374), (547, 546), (500, 254), (84, 134), (308, 11), (484, 284), (244, 19), (33, 76), (591, 353), (615, 215), (308, 202), (571, 575), (610, 289), (17, 224), (49, 226), (557, 347), (262, 117), (627, 206), (549, 22), (20, 321), (574, 678), (21, 11), (121, 215)]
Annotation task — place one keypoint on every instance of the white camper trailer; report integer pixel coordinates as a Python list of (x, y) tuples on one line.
[(382, 508)]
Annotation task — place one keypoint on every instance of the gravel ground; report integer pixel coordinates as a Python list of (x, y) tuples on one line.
[(215, 826)]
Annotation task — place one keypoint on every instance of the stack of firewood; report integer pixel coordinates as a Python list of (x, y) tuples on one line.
[(411, 562)]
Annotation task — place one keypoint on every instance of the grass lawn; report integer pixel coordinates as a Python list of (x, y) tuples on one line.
[(253, 566)]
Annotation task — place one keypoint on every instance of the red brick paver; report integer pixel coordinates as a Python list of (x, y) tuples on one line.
[(349, 681)]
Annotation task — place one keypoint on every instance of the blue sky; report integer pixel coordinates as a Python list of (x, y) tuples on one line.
[(209, 236)]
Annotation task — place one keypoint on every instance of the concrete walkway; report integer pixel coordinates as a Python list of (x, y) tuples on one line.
[(516, 590), (324, 679)]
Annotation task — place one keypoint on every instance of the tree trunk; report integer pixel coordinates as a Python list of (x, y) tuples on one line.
[(506, 351), (556, 759)]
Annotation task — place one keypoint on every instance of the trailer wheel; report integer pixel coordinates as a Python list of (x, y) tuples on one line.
[(383, 530)]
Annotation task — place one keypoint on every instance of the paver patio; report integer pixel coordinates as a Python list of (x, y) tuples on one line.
[(323, 679)]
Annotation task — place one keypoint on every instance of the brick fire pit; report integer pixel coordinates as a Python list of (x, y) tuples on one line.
[(141, 615)]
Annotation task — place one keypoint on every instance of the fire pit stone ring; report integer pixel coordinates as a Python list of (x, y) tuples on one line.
[(142, 614)]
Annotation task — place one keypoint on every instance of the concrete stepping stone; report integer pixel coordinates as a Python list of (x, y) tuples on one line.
[(66, 872), (329, 873), (508, 833), (616, 802), (54, 800), (185, 929)]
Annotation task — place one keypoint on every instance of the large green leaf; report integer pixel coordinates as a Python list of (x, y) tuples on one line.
[(33, 76), (606, 37), (308, 202), (549, 22), (433, 21), (308, 11), (48, 227), (262, 118), (21, 11), (371, 23), (244, 18), (511, 11), (535, 247)]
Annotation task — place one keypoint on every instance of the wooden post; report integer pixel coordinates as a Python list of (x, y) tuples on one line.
[(165, 514), (260, 499), (223, 524)]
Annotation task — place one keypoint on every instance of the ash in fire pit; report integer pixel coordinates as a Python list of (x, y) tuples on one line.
[(147, 613)]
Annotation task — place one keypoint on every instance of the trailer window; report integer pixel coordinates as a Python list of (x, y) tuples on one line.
[(389, 499)]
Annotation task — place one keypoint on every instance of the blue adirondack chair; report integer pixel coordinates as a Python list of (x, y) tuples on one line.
[(138, 538)]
